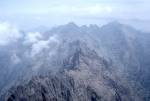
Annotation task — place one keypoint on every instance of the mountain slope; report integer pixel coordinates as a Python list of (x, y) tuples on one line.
[(85, 77), (110, 63)]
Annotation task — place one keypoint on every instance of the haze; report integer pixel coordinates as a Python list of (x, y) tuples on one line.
[(28, 14)]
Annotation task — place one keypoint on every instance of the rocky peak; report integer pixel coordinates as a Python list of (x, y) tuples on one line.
[(71, 24), (81, 53)]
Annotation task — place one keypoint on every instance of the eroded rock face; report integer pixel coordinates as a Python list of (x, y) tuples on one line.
[(65, 89), (85, 77)]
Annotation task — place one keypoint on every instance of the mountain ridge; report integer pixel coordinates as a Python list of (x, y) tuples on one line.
[(113, 57), (89, 67)]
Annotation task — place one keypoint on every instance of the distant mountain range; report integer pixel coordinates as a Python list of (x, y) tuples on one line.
[(77, 63)]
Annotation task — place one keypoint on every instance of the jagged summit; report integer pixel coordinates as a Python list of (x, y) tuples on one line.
[(115, 26), (65, 29), (72, 24), (114, 23)]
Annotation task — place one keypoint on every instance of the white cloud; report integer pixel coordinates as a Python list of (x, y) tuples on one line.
[(43, 44), (72, 10), (39, 46), (15, 59), (37, 43), (31, 37), (8, 33), (98, 9)]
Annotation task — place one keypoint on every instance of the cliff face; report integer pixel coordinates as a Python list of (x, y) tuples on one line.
[(84, 77)]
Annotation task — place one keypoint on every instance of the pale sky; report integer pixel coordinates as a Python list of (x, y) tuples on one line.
[(32, 13)]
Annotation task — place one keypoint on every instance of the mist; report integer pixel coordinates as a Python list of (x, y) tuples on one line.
[(81, 50), (28, 14)]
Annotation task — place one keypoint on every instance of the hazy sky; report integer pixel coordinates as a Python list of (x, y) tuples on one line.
[(32, 13)]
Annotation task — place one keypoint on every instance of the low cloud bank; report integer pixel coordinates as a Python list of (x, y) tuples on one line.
[(8, 33)]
